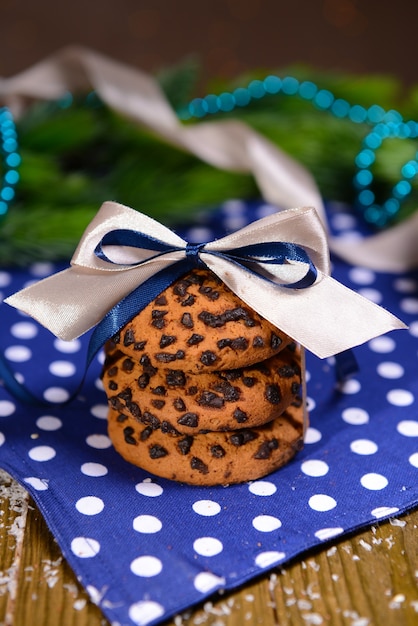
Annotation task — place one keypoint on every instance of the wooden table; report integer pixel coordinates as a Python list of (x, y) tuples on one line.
[(369, 579)]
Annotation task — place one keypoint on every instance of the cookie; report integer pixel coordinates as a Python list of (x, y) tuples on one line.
[(181, 402), (212, 458), (198, 324)]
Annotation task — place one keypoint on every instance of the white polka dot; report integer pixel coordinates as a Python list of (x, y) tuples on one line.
[(234, 222), (322, 502), (89, 505), (146, 566), (314, 468), (100, 411), (269, 558), (382, 345), (350, 236), (382, 511), (207, 546), (18, 354), (48, 422), (349, 387), (388, 369), (363, 447), (101, 357), (371, 294), (196, 234), (56, 394), (310, 404), (361, 276), (100, 442), (24, 330), (145, 611), (405, 285), (400, 397), (94, 469), (266, 523), (5, 279), (373, 481), (205, 582), (342, 221), (40, 484), (413, 459), (85, 547), (355, 416), (147, 524), (42, 453), (2, 438), (266, 209), (63, 369), (262, 488), (7, 408), (233, 206), (98, 383), (413, 328), (67, 347), (327, 533), (408, 428), (41, 269), (409, 305), (149, 489), (207, 508), (312, 435)]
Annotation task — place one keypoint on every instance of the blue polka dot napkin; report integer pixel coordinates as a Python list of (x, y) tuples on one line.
[(146, 548)]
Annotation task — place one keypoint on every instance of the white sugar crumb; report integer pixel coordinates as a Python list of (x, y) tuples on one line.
[(312, 618), (356, 619), (356, 557), (332, 551), (249, 597), (80, 604), (365, 545), (396, 601), (414, 605), (335, 577), (390, 542), (51, 571), (304, 605), (393, 521), (314, 565)]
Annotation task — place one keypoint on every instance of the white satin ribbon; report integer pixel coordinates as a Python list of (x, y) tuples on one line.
[(325, 318), (230, 145)]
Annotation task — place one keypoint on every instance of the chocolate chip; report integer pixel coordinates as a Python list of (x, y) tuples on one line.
[(146, 364), (161, 300), (186, 320), (208, 398), (273, 394), (128, 435), (258, 342), (146, 433), (217, 451), (168, 429), (125, 395), (189, 301), (128, 365), (210, 293), (240, 343), (180, 354), (165, 357), (240, 416), (194, 339), (197, 464), (113, 371), (231, 374), (151, 419), (121, 418), (158, 320), (185, 444), (266, 448), (116, 403), (275, 341), (175, 378), (113, 385), (140, 345), (208, 357), (286, 371), (249, 381), (224, 343), (116, 338), (158, 404), (242, 437), (191, 391), (159, 391), (143, 381), (295, 388), (129, 337), (180, 288), (179, 405), (167, 340), (189, 419), (211, 320), (134, 409), (157, 452), (230, 393)]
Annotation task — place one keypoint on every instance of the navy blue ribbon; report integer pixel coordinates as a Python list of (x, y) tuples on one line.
[(247, 257)]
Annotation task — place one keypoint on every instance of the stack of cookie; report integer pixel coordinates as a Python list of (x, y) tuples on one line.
[(203, 390)]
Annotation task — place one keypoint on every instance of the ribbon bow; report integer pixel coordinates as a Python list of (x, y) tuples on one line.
[(278, 265)]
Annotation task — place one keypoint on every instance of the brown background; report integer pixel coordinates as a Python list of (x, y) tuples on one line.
[(228, 36)]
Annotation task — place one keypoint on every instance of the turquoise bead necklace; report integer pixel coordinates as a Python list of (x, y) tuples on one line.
[(383, 125)]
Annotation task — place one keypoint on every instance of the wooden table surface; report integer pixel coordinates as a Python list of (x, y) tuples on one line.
[(369, 579)]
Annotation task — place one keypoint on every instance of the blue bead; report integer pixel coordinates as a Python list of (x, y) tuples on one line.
[(393, 116), (373, 141), (7, 193), (365, 158), (226, 101), (366, 197), (13, 159), (372, 214), (307, 90), (402, 189), (364, 178), (11, 177), (382, 130), (3, 208), (290, 85), (392, 206), (66, 101), (198, 107), (375, 113), (357, 114), (340, 108), (9, 145), (413, 128), (212, 103), (242, 96), (256, 89), (323, 99), (409, 170), (272, 84)]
